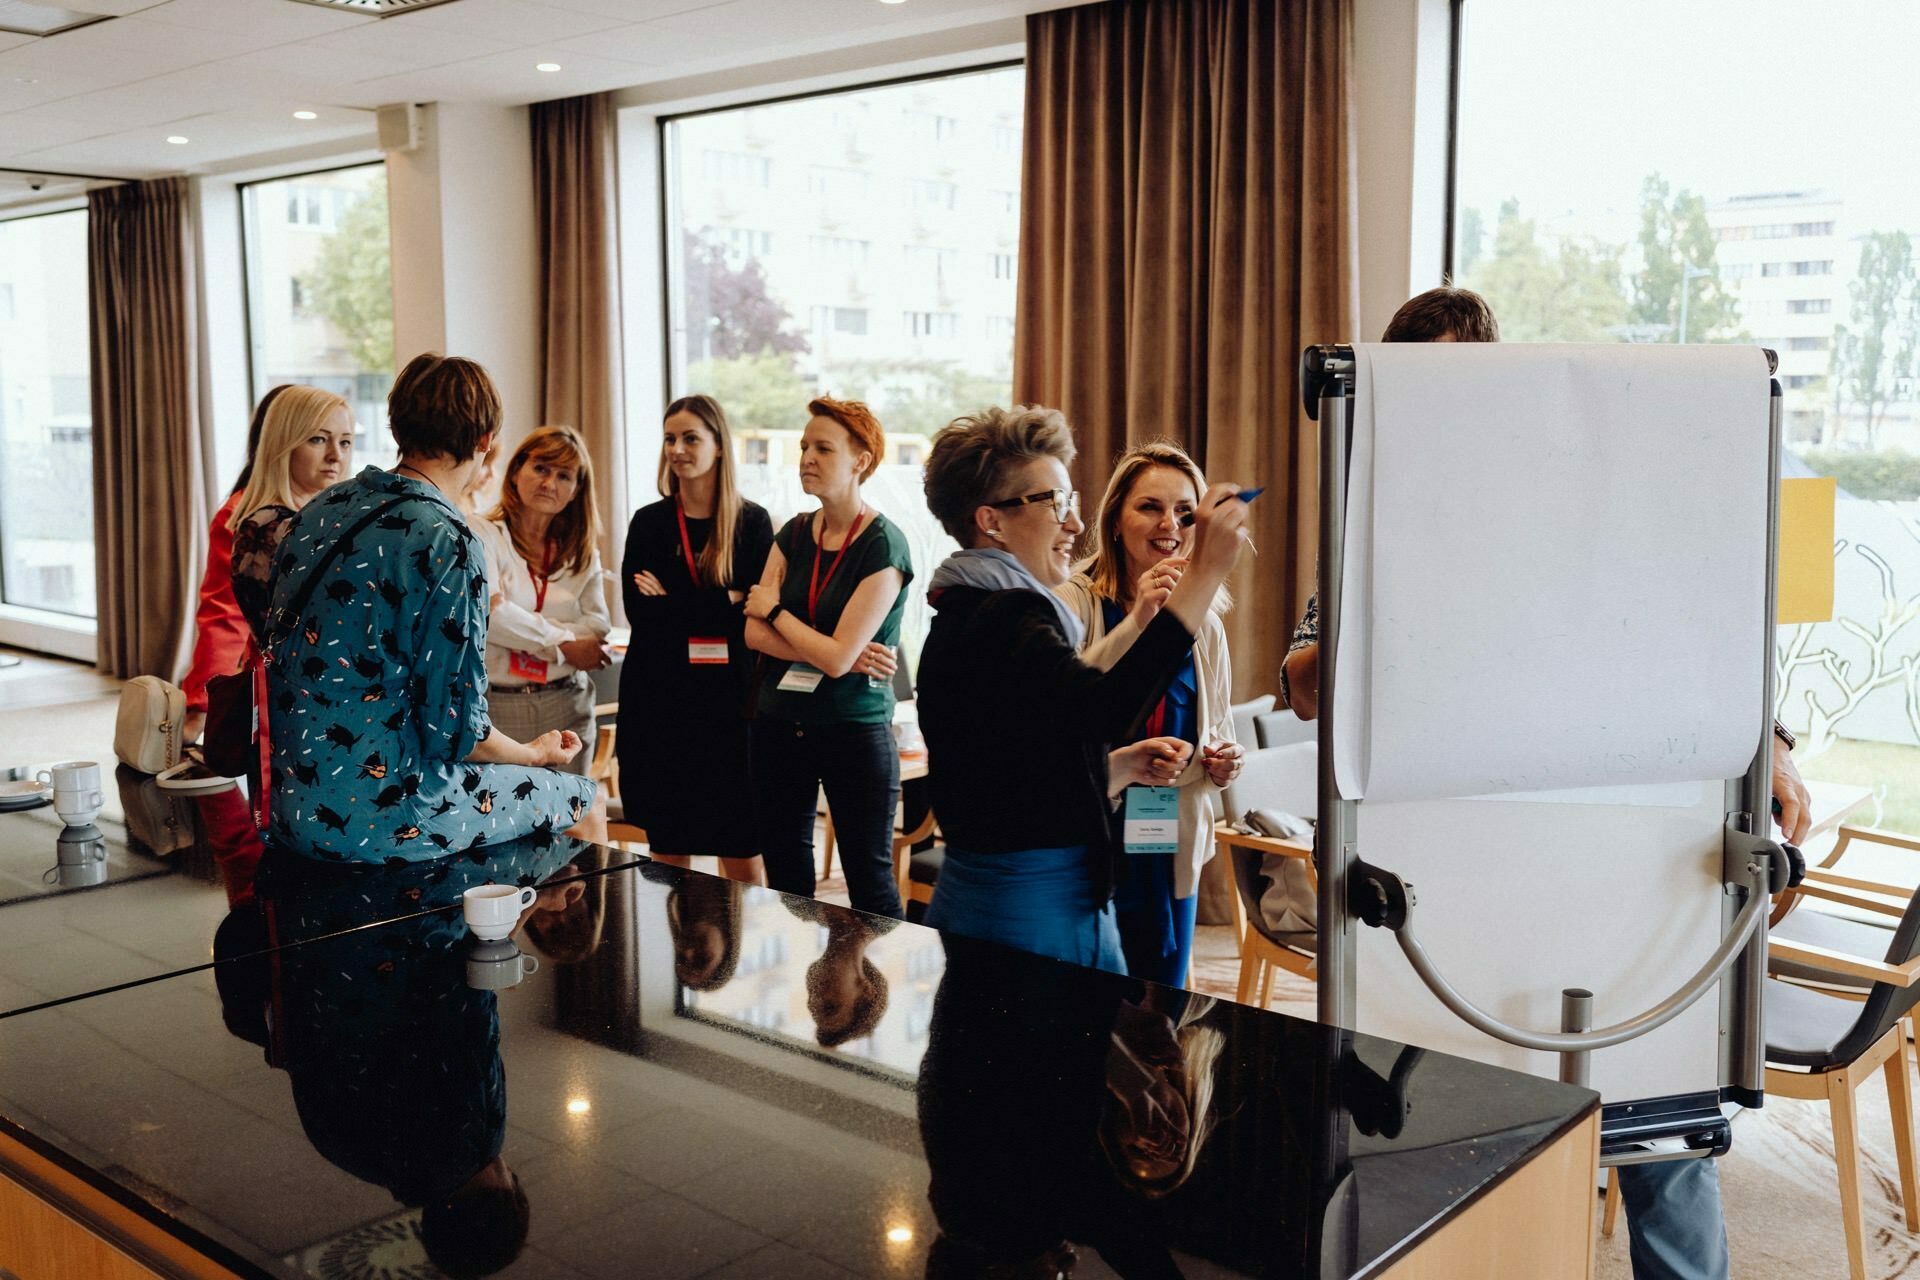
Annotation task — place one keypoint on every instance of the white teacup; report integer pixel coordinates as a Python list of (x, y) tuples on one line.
[(495, 966), (493, 909), (76, 875), (76, 791), (73, 775), (81, 843)]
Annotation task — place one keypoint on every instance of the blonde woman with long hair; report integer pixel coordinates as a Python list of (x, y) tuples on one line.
[(548, 621), (684, 743), (306, 442), (1141, 540)]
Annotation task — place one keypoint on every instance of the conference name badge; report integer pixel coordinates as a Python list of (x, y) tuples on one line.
[(801, 678), (1151, 820), (527, 667), (707, 651)]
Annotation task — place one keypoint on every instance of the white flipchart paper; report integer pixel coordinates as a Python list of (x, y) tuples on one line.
[(1555, 571)]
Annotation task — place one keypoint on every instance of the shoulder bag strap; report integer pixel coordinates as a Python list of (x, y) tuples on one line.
[(284, 622)]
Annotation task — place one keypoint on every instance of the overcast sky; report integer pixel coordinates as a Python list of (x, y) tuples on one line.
[(1569, 106)]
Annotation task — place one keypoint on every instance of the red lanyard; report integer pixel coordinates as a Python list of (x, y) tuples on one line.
[(814, 583), (686, 546), (540, 577)]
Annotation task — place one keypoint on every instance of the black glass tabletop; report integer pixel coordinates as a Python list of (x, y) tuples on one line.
[(662, 1073)]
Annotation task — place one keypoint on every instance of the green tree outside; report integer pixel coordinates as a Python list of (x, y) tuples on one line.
[(1873, 354), (761, 392), (351, 283), (1570, 293), (1674, 236)]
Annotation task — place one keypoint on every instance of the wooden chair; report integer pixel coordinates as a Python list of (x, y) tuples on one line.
[(1814, 956), (1262, 952), (604, 769)]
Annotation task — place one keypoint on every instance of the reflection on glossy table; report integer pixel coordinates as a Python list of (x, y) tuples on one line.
[(707, 1079)]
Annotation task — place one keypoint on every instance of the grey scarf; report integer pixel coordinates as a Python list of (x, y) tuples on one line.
[(990, 569)]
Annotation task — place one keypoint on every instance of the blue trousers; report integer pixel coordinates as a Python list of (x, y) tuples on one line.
[(1156, 928), (1039, 900), (1677, 1228)]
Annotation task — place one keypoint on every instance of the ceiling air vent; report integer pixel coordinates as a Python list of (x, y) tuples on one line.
[(378, 8)]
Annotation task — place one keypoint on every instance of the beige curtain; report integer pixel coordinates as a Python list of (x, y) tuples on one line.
[(574, 188), (1187, 227), (149, 494)]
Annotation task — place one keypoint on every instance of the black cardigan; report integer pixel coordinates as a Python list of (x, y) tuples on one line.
[(1018, 727)]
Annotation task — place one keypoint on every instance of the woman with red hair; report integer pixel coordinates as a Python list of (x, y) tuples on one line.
[(826, 613)]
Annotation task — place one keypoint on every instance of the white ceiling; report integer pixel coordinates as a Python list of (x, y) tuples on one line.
[(229, 74)]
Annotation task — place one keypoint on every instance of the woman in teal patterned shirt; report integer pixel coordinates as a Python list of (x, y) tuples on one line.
[(377, 693)]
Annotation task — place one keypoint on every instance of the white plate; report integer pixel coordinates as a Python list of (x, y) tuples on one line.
[(24, 794)]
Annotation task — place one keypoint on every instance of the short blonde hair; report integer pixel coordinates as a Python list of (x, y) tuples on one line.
[(968, 465), (294, 415)]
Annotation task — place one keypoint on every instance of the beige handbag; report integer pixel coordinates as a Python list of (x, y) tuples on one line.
[(146, 736)]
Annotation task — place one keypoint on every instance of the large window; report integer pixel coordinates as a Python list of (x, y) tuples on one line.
[(46, 415), (860, 244), (320, 293), (1715, 172)]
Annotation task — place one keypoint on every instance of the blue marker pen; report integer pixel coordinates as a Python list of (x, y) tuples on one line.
[(1245, 495)]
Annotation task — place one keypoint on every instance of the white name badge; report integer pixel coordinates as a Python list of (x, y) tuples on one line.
[(1151, 821), (707, 651), (801, 678)]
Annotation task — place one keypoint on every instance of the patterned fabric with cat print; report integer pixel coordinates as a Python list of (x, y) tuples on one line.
[(380, 693)]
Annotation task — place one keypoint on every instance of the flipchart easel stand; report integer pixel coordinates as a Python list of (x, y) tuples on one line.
[(1354, 892)]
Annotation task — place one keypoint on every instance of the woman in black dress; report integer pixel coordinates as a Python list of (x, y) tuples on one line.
[(682, 743)]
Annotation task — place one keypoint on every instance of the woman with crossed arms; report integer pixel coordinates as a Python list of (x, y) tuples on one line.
[(684, 689), (826, 611)]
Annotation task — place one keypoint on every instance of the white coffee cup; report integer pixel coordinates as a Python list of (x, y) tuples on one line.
[(76, 790), (81, 844), (83, 859), (496, 966), (493, 909), (73, 775)]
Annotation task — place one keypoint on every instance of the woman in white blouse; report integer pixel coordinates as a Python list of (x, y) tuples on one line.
[(549, 621)]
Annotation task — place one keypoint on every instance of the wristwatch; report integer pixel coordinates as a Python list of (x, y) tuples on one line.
[(778, 609), (1780, 732)]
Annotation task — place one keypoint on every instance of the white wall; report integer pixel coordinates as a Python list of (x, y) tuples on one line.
[(1401, 51), (465, 269)]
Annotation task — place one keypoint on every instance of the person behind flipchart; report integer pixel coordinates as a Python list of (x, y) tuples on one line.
[(1140, 544), (1675, 1217), (548, 619)]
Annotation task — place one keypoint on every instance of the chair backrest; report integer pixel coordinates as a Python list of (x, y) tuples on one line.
[(1282, 728), (1284, 778), (1243, 714), (1886, 1003)]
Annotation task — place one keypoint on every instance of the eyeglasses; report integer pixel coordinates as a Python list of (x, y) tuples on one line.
[(1065, 502)]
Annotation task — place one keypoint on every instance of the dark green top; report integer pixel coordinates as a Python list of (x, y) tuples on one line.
[(848, 699)]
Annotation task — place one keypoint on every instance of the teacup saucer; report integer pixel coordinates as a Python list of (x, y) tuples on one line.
[(26, 793)]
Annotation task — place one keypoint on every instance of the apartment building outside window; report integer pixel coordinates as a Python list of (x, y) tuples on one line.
[(1587, 226)]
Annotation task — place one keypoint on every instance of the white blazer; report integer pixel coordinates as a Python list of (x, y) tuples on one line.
[(1200, 804), (576, 607)]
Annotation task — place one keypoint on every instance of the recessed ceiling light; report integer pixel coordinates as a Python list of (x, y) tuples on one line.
[(893, 1), (306, 115), (546, 66), (898, 1235), (177, 140), (578, 1106)]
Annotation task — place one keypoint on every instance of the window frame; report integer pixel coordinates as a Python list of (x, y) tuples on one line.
[(243, 202)]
